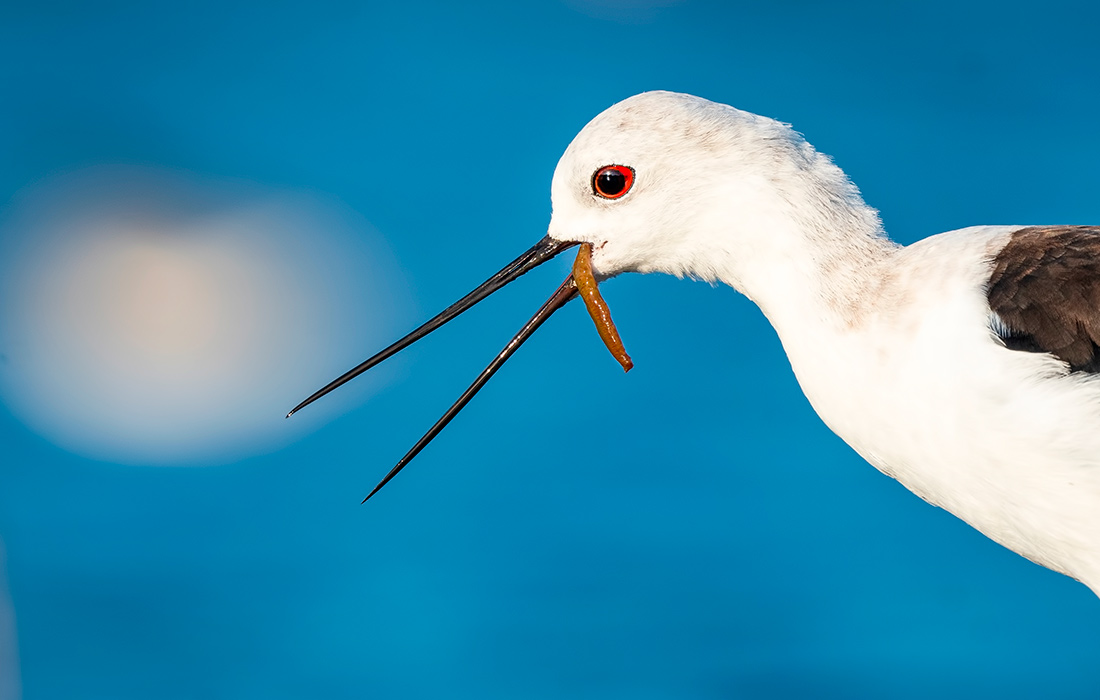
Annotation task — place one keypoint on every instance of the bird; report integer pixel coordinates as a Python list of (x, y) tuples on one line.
[(966, 365)]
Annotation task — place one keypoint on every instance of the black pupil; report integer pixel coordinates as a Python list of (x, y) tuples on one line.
[(610, 182)]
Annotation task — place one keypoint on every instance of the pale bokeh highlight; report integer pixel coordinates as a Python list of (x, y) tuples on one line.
[(154, 317)]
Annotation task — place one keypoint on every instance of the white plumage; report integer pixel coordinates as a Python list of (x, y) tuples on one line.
[(894, 346)]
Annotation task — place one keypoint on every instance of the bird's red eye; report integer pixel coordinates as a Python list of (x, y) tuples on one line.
[(613, 181)]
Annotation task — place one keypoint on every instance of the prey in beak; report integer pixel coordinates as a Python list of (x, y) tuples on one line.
[(580, 282)]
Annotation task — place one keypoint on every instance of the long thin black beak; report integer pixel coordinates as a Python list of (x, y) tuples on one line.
[(565, 292), (537, 255)]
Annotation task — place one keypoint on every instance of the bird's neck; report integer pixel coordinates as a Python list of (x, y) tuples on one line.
[(821, 282), (817, 255)]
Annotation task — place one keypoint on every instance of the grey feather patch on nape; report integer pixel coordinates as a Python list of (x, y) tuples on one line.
[(1045, 293)]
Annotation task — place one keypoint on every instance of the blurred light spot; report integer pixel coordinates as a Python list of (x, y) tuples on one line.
[(154, 317)]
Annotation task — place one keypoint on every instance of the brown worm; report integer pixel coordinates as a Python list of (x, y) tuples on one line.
[(597, 307)]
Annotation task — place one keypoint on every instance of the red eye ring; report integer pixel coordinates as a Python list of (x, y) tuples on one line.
[(613, 181)]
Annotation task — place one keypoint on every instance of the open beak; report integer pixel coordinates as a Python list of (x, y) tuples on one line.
[(581, 281)]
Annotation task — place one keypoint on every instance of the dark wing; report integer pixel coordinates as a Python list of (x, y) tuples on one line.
[(1045, 289)]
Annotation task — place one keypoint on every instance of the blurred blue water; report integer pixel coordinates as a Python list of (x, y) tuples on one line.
[(689, 531)]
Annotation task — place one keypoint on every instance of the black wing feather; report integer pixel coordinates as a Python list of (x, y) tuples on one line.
[(1045, 288)]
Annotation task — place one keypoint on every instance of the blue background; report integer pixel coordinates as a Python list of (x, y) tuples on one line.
[(691, 530)]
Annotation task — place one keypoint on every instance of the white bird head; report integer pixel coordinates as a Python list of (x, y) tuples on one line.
[(708, 191)]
